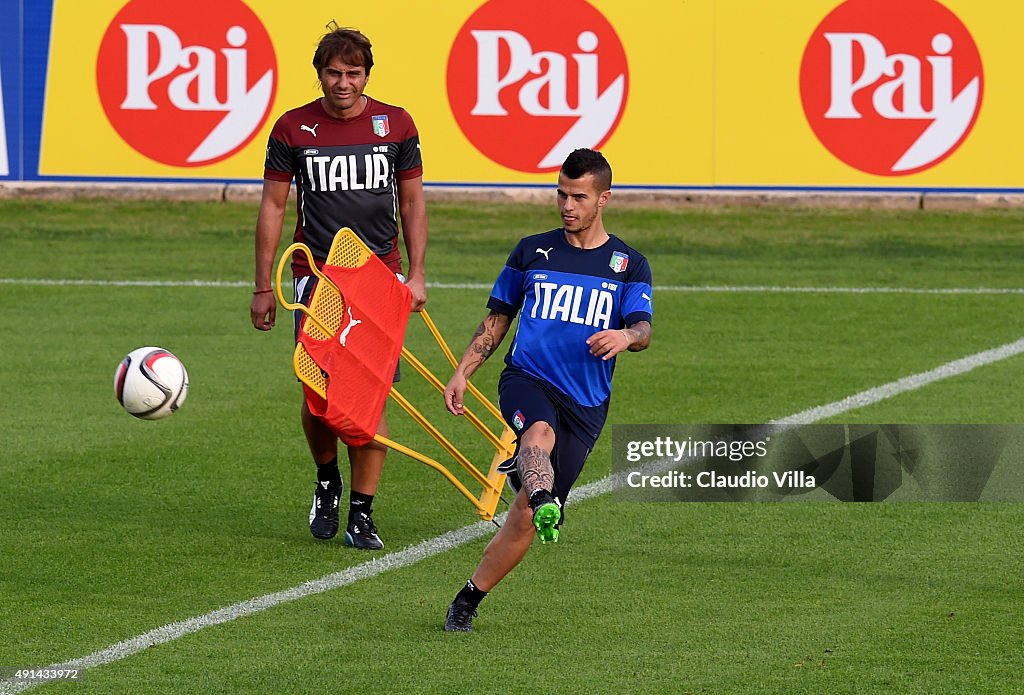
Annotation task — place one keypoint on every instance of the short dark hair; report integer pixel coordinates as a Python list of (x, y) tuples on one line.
[(586, 161), (348, 44)]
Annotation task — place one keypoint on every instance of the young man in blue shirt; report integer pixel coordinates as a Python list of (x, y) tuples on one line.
[(582, 296)]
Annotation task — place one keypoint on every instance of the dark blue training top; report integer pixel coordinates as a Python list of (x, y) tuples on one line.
[(566, 295)]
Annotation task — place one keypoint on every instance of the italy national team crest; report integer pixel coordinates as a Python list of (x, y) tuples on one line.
[(380, 125), (618, 262), (519, 419)]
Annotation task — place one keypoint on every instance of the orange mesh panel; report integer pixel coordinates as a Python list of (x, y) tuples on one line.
[(363, 308), (347, 251)]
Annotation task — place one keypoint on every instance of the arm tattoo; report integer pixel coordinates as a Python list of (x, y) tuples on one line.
[(535, 470), (488, 337), (640, 335)]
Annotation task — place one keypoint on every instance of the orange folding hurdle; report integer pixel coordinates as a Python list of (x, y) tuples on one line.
[(348, 348)]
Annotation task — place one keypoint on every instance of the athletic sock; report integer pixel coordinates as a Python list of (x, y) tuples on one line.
[(470, 594), (540, 497), (359, 502), (328, 472)]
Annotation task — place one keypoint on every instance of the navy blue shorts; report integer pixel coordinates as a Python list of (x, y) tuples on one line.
[(303, 288), (524, 401)]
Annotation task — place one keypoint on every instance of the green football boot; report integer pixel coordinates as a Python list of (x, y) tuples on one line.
[(545, 518)]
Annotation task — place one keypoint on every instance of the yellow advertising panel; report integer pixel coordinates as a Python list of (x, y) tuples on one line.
[(868, 93), (861, 93)]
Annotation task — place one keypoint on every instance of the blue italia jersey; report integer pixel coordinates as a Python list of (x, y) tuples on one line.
[(564, 295)]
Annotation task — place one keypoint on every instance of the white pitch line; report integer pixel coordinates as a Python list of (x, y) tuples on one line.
[(454, 539), (777, 289), (840, 290), (64, 282), (908, 383), (756, 289)]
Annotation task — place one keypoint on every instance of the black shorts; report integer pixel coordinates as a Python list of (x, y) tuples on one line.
[(303, 288), (523, 401)]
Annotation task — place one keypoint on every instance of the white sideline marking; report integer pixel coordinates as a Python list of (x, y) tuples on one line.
[(757, 289), (907, 383), (454, 539), (841, 290), (778, 289), (60, 282)]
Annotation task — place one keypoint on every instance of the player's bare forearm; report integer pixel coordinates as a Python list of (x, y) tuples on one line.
[(413, 209), (486, 339), (263, 308), (415, 234), (639, 335), (269, 224), (608, 343)]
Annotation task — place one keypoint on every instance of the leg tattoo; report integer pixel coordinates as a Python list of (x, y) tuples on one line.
[(535, 470)]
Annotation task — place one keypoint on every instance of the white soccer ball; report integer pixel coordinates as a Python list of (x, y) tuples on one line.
[(151, 383)]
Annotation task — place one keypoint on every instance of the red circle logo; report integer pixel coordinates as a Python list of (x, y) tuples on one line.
[(891, 88), (187, 83), (527, 92)]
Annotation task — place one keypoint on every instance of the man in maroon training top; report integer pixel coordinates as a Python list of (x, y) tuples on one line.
[(355, 162)]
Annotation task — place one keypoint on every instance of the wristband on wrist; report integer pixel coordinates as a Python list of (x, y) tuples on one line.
[(261, 291)]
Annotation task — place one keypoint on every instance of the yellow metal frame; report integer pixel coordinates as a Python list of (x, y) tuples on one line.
[(324, 316)]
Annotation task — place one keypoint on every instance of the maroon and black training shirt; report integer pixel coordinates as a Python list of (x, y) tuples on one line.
[(346, 173)]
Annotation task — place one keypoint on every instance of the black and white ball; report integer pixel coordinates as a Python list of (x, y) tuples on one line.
[(151, 383)]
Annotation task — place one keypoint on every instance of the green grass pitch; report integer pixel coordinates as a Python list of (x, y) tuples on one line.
[(111, 527)]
